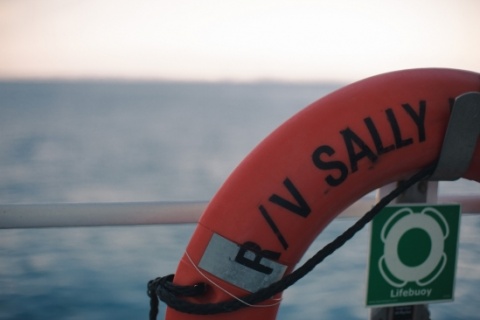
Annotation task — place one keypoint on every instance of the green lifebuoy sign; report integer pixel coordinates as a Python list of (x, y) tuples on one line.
[(413, 255)]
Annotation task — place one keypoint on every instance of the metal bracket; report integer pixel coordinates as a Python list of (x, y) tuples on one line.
[(460, 138)]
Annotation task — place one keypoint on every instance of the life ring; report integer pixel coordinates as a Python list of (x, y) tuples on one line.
[(350, 142), (431, 221)]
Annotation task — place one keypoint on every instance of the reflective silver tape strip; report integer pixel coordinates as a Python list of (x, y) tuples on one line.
[(240, 266)]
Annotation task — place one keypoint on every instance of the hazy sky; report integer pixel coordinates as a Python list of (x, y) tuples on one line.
[(235, 40)]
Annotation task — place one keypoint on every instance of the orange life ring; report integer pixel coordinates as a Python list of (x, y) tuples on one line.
[(350, 142)]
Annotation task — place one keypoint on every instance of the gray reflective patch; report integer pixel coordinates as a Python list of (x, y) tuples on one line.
[(219, 260)]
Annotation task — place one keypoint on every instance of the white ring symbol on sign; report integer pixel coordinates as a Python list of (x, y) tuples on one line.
[(409, 220)]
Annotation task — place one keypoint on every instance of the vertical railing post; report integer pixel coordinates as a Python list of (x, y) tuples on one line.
[(422, 192)]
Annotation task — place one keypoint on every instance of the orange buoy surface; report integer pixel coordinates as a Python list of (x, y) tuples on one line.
[(288, 189)]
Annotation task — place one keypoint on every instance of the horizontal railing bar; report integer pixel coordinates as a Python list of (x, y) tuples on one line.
[(13, 216)]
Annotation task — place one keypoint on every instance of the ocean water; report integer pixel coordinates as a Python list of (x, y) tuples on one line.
[(102, 141)]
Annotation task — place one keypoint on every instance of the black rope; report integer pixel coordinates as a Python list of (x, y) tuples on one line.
[(165, 290), (179, 291), (151, 292)]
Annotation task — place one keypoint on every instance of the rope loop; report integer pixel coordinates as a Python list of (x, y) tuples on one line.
[(165, 290), (165, 284)]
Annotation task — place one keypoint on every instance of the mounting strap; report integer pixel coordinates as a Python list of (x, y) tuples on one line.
[(460, 138)]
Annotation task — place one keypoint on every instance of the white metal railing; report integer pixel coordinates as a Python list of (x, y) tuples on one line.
[(149, 213)]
